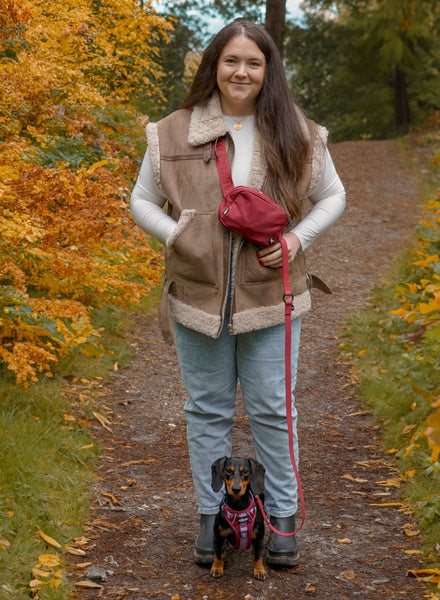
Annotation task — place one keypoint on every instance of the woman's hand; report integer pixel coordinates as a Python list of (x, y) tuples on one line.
[(272, 256)]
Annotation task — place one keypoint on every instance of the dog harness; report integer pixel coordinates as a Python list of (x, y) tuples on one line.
[(242, 523)]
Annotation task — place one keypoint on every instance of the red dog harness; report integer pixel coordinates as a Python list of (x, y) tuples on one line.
[(242, 523)]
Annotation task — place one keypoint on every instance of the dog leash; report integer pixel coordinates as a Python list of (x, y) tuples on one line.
[(288, 308)]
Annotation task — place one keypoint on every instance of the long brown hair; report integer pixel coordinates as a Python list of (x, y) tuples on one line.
[(284, 143)]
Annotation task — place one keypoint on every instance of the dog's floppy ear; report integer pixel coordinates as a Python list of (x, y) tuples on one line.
[(257, 478), (217, 473)]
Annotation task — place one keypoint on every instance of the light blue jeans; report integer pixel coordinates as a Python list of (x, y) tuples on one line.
[(210, 371)]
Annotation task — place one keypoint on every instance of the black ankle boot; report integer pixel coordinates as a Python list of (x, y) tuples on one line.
[(282, 551), (204, 549)]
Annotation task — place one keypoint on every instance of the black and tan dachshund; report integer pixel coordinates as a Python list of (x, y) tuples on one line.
[(239, 522)]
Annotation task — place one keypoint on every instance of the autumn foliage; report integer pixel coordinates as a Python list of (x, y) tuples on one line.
[(419, 295), (70, 73)]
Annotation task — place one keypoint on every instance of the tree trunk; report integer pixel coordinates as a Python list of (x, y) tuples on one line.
[(401, 103), (275, 21)]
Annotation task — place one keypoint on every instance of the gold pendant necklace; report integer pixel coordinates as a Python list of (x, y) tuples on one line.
[(237, 125)]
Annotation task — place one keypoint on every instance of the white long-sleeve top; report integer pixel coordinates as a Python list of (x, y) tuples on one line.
[(328, 197)]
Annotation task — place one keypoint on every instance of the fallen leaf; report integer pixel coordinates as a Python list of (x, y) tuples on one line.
[(81, 541), (103, 420), (310, 588), (350, 575), (423, 572), (48, 539), (4, 544), (412, 551), (73, 550), (344, 541), (112, 498), (411, 529), (39, 573), (49, 560), (394, 482), (351, 478), (387, 504), (408, 429), (87, 584), (79, 566)]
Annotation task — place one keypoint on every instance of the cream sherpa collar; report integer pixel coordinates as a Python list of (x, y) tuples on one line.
[(206, 122)]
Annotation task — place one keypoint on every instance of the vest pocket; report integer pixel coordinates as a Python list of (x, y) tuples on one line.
[(191, 252)]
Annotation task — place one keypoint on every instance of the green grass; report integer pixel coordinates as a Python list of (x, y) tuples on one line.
[(383, 371), (47, 460), (396, 380)]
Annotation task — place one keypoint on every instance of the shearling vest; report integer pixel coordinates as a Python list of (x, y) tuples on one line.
[(207, 267)]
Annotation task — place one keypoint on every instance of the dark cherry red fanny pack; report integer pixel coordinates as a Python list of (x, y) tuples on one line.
[(245, 210)]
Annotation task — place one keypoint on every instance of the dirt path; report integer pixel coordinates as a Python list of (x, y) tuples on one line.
[(144, 521)]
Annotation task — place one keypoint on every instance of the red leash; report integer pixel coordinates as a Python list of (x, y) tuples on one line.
[(288, 307), (241, 224)]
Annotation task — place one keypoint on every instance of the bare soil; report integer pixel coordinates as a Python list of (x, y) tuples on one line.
[(144, 519)]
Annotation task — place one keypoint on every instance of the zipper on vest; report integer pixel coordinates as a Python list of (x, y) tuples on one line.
[(228, 287), (233, 282)]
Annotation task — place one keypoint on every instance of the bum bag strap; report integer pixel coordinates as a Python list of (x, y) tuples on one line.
[(224, 171)]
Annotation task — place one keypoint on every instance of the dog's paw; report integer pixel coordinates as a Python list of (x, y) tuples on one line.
[(216, 572), (217, 568), (259, 570)]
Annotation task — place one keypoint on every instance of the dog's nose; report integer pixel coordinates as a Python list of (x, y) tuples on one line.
[(236, 487)]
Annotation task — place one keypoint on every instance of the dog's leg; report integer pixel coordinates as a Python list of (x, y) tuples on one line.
[(217, 568), (259, 570)]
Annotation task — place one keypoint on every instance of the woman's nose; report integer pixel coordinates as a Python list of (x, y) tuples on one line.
[(241, 70)]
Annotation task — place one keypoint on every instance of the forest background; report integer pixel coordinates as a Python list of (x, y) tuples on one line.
[(78, 80)]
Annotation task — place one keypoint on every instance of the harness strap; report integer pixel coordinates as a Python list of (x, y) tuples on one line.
[(242, 523)]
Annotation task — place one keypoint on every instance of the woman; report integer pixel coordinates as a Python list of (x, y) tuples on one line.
[(224, 294)]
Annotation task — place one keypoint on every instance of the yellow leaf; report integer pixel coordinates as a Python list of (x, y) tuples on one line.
[(395, 482), (97, 165), (426, 261), (112, 498), (413, 551), (424, 572), (72, 550), (103, 420), (411, 530), (48, 539), (344, 541), (81, 565), (4, 544), (351, 478), (387, 504), (87, 584), (39, 573), (49, 560)]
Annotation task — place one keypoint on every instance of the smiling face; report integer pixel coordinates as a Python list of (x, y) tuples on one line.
[(240, 75)]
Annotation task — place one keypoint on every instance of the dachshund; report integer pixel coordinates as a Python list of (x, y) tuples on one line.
[(239, 522)]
